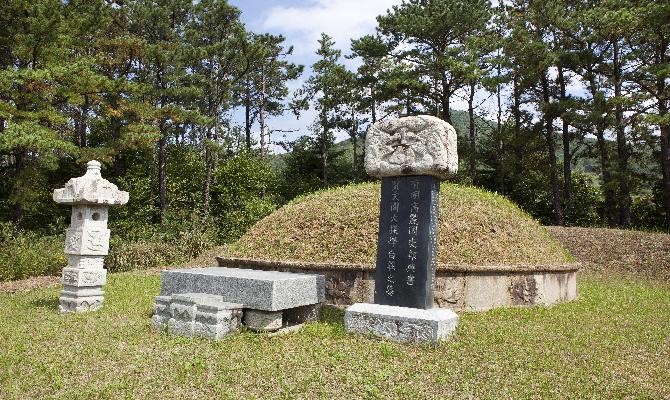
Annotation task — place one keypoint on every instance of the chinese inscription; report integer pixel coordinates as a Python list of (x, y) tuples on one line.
[(407, 243)]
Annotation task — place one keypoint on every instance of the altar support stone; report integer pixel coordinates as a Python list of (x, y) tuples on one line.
[(87, 238), (411, 155)]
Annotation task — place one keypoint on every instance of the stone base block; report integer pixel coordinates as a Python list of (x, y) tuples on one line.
[(80, 299), (400, 324), (263, 320), (304, 314), (196, 314)]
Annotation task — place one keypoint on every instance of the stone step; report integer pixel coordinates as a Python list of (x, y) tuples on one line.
[(196, 314)]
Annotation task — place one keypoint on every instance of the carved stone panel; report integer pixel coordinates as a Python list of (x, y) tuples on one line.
[(84, 277), (417, 145), (94, 242), (449, 291), (523, 290)]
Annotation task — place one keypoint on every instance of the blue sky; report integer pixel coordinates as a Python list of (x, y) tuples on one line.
[(301, 22)]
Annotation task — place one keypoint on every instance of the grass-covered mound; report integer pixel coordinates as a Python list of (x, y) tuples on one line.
[(340, 226)]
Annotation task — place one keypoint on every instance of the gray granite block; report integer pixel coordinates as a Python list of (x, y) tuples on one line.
[(263, 320), (180, 327), (258, 290), (400, 324), (162, 313), (196, 314)]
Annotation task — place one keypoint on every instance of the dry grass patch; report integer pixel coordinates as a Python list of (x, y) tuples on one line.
[(340, 226), (634, 254)]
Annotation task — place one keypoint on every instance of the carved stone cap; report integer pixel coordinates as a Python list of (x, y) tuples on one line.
[(91, 188), (417, 145)]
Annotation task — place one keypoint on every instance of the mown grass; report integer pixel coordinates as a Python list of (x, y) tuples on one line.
[(340, 226), (613, 342)]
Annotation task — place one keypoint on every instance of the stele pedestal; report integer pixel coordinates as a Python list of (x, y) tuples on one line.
[(87, 238), (411, 155)]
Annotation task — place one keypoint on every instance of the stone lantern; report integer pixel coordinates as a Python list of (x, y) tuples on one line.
[(87, 238)]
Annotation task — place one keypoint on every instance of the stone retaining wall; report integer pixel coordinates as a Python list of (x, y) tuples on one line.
[(462, 288)]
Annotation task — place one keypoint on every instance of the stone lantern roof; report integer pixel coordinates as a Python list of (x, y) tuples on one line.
[(91, 188)]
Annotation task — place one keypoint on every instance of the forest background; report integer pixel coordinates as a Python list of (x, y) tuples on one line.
[(579, 135)]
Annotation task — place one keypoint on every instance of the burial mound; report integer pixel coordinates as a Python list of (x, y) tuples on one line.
[(490, 252)]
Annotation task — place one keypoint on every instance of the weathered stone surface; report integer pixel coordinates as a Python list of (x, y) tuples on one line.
[(258, 290), (263, 320), (449, 291), (87, 238), (162, 313), (82, 277), (401, 324), (196, 314), (91, 188), (80, 299), (92, 242), (85, 262), (417, 145), (523, 290), (459, 287)]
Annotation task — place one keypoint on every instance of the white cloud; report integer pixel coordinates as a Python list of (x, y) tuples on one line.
[(341, 19)]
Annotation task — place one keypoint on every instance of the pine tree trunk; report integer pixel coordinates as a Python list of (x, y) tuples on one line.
[(162, 173), (373, 105), (445, 100), (567, 155), (516, 112), (247, 117), (207, 185), (116, 134), (17, 209), (323, 148), (473, 148), (261, 116), (603, 154), (551, 149), (665, 148), (501, 145), (81, 125), (354, 142), (622, 148)]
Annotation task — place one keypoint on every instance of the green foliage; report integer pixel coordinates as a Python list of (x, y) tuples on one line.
[(533, 194), (647, 210), (29, 254), (244, 192), (302, 168)]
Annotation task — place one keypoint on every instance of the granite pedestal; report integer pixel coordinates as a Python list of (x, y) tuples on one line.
[(401, 324)]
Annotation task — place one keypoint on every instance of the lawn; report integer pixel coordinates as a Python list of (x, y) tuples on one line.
[(613, 342)]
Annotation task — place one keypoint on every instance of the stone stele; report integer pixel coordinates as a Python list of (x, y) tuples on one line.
[(417, 145), (87, 238)]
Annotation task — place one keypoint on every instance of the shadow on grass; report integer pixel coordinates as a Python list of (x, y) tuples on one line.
[(50, 303), (331, 315)]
